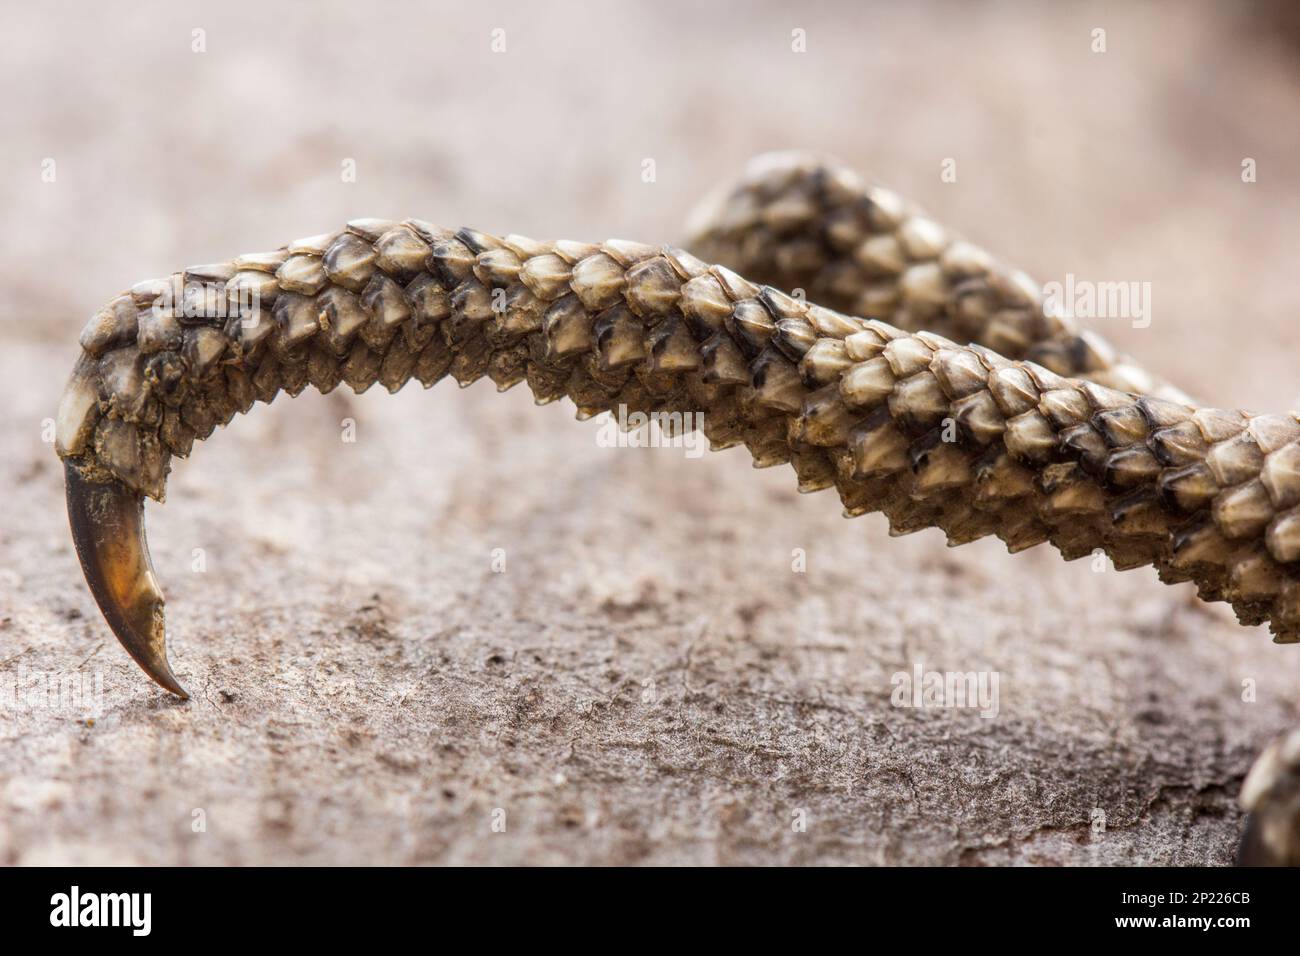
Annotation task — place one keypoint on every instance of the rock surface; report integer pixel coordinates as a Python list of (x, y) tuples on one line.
[(648, 680)]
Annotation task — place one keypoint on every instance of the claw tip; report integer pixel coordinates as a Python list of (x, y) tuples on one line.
[(107, 520)]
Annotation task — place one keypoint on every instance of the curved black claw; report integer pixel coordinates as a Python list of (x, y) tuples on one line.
[(107, 520)]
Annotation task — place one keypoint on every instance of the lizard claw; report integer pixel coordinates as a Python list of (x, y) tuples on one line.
[(107, 520)]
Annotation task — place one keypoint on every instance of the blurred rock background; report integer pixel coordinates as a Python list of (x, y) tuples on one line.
[(648, 681)]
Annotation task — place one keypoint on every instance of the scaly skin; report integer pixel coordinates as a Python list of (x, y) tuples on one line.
[(796, 221), (930, 432)]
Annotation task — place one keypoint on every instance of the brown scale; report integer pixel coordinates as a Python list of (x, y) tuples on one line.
[(799, 221)]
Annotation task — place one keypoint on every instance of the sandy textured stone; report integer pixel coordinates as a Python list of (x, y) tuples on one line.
[(368, 690)]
